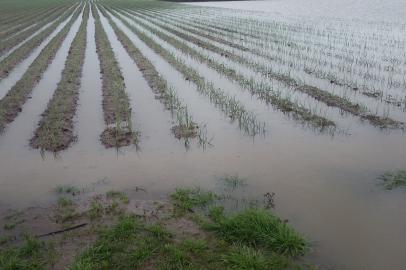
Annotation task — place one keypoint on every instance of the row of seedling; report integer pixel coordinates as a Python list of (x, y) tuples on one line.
[(310, 62), (55, 131), (274, 48), (230, 106), (29, 22), (264, 91), (116, 105), (8, 43), (12, 104), (8, 63), (185, 127), (316, 93)]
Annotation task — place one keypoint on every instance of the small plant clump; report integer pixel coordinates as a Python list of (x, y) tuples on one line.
[(186, 199), (32, 254), (391, 180), (258, 227)]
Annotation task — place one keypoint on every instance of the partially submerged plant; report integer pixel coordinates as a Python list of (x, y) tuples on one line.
[(185, 199), (391, 180), (258, 227)]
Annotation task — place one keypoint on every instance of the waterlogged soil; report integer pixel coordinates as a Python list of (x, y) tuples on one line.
[(325, 185)]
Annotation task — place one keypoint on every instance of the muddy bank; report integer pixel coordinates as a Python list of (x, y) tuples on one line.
[(76, 231)]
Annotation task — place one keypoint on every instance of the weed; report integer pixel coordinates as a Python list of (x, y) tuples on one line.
[(113, 194), (391, 180), (96, 209), (67, 189), (185, 199), (232, 182), (32, 255), (159, 232), (245, 258), (258, 227), (64, 202), (195, 246)]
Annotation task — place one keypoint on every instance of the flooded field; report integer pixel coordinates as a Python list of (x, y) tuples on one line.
[(298, 100)]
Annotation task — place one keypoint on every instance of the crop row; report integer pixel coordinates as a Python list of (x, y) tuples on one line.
[(185, 126), (116, 105), (7, 44), (28, 22), (230, 106), (11, 105), (326, 62), (316, 93), (8, 63), (56, 130), (262, 90)]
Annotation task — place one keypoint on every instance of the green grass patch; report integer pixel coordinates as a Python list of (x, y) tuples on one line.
[(258, 228), (117, 195), (31, 255), (185, 199), (67, 189)]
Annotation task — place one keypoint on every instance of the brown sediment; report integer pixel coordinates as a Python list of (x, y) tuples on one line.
[(55, 131), (116, 105), (316, 93), (11, 105)]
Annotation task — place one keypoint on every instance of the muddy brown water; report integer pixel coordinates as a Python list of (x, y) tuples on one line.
[(325, 185)]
